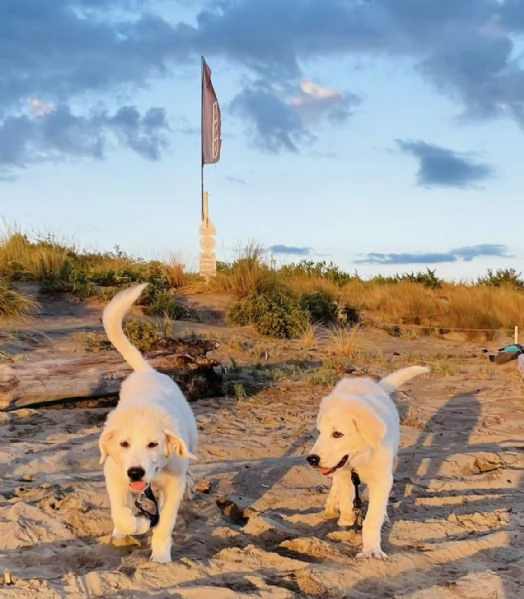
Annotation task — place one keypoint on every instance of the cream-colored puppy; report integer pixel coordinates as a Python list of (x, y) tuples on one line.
[(358, 426), (149, 437)]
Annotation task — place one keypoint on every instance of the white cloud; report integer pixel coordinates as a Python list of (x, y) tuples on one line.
[(39, 107), (309, 91)]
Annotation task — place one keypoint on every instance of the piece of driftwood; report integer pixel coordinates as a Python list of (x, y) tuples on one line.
[(100, 374)]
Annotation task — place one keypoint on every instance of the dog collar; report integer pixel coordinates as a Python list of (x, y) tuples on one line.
[(357, 502), (152, 516), (355, 479)]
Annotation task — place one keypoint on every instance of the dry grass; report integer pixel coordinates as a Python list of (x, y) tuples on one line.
[(345, 342), (21, 259), (441, 365), (478, 311), (14, 304), (248, 274), (309, 284), (174, 272), (308, 339)]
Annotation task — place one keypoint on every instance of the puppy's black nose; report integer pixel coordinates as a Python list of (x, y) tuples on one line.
[(314, 460), (136, 473)]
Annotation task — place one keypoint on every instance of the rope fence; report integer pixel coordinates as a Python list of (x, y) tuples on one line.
[(515, 329)]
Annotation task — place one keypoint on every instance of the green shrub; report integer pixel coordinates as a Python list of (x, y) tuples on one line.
[(121, 277), (320, 270), (275, 314), (321, 307), (349, 315), (502, 277), (160, 302), (427, 279), (142, 334)]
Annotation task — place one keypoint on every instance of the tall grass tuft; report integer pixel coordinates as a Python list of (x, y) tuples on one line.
[(308, 336), (344, 341), (249, 274), (14, 304)]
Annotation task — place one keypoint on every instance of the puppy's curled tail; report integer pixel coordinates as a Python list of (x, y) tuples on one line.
[(112, 318), (396, 379)]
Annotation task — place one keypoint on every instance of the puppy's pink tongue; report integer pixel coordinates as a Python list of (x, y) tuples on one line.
[(137, 485), (324, 470)]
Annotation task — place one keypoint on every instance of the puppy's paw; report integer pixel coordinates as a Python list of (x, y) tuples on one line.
[(160, 548), (330, 514), (161, 557), (374, 552), (132, 525), (142, 525), (123, 541), (346, 519)]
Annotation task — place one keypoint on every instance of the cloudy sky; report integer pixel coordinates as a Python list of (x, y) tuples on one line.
[(385, 135)]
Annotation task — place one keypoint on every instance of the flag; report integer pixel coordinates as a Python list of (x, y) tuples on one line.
[(211, 124)]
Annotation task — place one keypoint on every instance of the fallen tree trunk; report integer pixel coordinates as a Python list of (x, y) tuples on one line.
[(100, 374)]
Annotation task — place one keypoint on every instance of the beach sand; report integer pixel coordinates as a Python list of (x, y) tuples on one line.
[(456, 508)]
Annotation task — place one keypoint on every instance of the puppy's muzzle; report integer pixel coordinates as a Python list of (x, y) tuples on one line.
[(136, 473), (313, 460)]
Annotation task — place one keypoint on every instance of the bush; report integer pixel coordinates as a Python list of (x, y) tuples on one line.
[(320, 306), (502, 277), (160, 302), (316, 270), (275, 314), (427, 279), (142, 334), (350, 315)]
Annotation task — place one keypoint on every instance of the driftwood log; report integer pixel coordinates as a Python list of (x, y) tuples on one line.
[(100, 374)]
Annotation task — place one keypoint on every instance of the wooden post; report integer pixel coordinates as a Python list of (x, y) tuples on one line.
[(207, 230), (516, 337)]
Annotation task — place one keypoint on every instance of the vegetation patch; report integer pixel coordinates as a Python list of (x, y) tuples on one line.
[(14, 304), (274, 314)]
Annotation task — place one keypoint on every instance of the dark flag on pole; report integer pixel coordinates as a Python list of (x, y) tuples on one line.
[(211, 125)]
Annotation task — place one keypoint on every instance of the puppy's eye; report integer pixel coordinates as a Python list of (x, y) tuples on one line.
[(337, 434), (124, 444), (152, 444)]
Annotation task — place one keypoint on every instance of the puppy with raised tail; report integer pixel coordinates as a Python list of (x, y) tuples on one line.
[(359, 430), (149, 437)]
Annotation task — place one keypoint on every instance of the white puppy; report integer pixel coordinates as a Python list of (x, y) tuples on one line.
[(149, 437), (358, 426)]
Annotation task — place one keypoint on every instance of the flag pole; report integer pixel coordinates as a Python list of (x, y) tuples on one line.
[(210, 153), (202, 138)]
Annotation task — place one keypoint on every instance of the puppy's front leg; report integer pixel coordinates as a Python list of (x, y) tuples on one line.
[(124, 521), (345, 496), (379, 489), (331, 510), (161, 541)]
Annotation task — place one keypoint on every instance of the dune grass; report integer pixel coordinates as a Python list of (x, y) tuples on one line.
[(14, 304), (59, 266), (476, 310)]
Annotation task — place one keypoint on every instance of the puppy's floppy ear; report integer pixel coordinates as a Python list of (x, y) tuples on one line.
[(103, 443), (175, 445), (369, 424)]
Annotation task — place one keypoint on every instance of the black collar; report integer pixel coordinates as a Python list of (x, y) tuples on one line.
[(153, 516), (355, 479), (357, 502)]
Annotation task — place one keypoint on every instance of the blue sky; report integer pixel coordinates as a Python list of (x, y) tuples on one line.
[(384, 135)]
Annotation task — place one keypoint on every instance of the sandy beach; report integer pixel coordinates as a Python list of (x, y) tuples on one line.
[(456, 514)]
